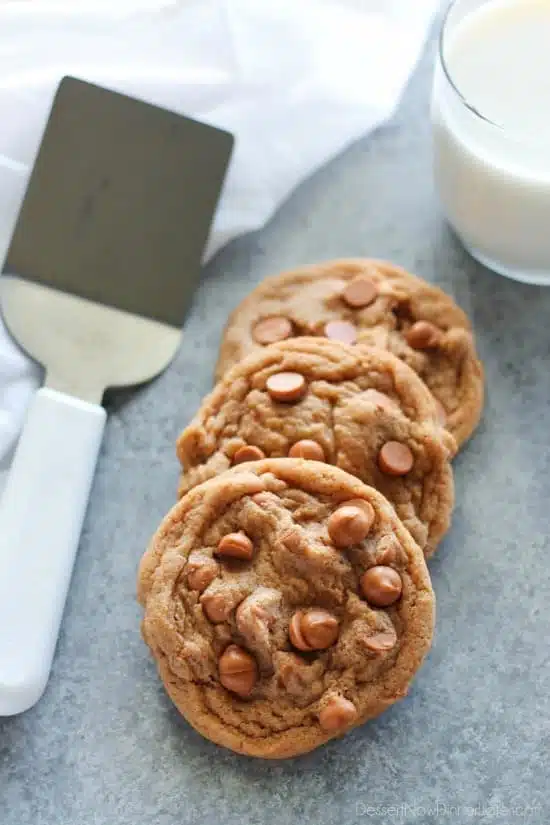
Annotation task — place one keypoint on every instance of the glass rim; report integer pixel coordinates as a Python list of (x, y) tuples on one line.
[(442, 59)]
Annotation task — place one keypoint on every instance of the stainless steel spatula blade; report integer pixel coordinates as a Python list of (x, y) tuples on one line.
[(101, 269)]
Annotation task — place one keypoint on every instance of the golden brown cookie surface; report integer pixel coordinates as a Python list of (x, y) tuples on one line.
[(320, 628), (360, 409), (372, 302)]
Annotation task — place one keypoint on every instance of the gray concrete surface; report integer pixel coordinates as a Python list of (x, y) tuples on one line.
[(470, 744)]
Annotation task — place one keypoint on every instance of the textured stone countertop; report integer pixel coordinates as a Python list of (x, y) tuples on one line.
[(471, 741)]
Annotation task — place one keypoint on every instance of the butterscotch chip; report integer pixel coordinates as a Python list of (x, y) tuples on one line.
[(216, 607), (298, 634), (255, 618), (238, 671), (235, 545), (360, 292), (248, 453), (363, 505), (343, 331), (306, 448), (200, 579), (349, 525), (386, 551), (381, 586), (310, 298), (295, 632), (273, 329), (337, 714), (313, 629), (395, 459), (201, 572), (423, 335), (358, 399), (380, 642), (286, 386)]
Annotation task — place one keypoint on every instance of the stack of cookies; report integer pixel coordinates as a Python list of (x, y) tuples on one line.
[(287, 597)]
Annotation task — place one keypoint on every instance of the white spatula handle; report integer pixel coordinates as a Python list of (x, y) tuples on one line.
[(41, 515)]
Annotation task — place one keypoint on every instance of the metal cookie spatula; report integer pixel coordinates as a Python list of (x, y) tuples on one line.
[(101, 268)]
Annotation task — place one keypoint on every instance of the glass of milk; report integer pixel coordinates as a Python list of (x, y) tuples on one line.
[(491, 123)]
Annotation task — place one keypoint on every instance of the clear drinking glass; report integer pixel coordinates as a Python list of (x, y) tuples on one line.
[(494, 183)]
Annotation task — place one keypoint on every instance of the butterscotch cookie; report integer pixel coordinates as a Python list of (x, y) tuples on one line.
[(361, 409), (376, 303), (285, 603)]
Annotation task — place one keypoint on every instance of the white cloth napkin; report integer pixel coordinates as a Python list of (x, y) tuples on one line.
[(295, 80)]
